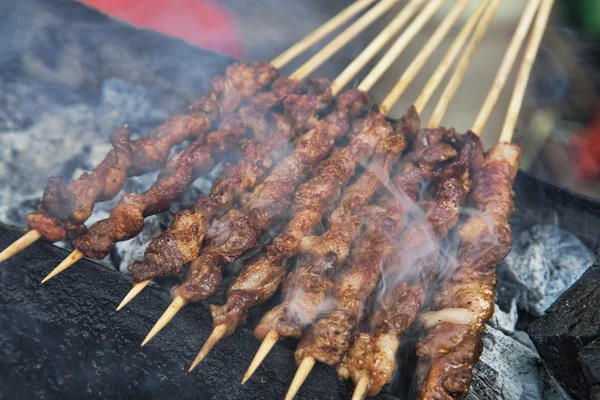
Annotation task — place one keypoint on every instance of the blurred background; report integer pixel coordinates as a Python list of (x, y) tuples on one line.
[(560, 119)]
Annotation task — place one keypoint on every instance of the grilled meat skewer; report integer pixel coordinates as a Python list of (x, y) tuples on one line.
[(372, 356), (64, 208), (464, 302), (261, 277), (180, 244), (238, 231)]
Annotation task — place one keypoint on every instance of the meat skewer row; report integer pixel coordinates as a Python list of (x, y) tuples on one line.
[(410, 274), (180, 245), (261, 277), (127, 220), (329, 338), (305, 289), (64, 209), (241, 232), (451, 346), (371, 359)]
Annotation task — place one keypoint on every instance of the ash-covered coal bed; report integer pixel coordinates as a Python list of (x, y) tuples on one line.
[(55, 123)]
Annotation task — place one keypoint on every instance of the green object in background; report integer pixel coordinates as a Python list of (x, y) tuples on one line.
[(583, 15)]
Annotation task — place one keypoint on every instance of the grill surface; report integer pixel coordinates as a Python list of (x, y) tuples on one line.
[(64, 338)]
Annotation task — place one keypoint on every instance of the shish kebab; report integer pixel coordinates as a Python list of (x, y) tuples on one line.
[(465, 301), (126, 220), (329, 338), (370, 361), (261, 277), (179, 245), (64, 209), (238, 231)]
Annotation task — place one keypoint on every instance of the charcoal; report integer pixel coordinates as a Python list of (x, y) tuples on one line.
[(545, 260), (65, 339), (509, 370), (566, 336)]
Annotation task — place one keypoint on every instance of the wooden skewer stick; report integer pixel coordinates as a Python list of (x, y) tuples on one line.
[(312, 38), (449, 57), (135, 290), (399, 45), (304, 369), (362, 386), (75, 256), (343, 38), (506, 66), (375, 46), (426, 51), (167, 316), (463, 65), (22, 243), (278, 62), (214, 338), (264, 349), (531, 50)]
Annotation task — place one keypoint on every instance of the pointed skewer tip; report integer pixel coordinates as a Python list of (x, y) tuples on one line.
[(304, 369), (135, 290), (75, 256), (164, 319), (360, 391), (214, 338), (264, 349), (20, 244)]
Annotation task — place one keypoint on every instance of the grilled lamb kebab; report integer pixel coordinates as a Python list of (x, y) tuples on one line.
[(329, 338), (64, 208), (465, 301), (260, 279), (127, 219), (238, 231), (408, 278), (180, 244)]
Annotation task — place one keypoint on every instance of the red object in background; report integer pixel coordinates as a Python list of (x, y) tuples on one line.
[(585, 151), (202, 22)]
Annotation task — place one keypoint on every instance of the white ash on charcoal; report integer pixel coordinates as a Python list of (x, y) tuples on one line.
[(544, 262), (509, 370), (69, 140)]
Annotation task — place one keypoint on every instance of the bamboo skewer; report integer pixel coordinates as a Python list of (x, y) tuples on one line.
[(525, 71), (304, 369), (463, 65), (407, 77), (413, 70), (302, 72), (342, 39), (315, 36), (75, 256), (399, 45), (22, 243), (173, 309), (432, 44), (506, 66), (375, 46), (135, 290), (448, 59), (360, 391), (278, 62)]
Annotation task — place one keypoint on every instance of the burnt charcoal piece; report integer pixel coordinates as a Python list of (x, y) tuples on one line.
[(65, 339), (566, 336)]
